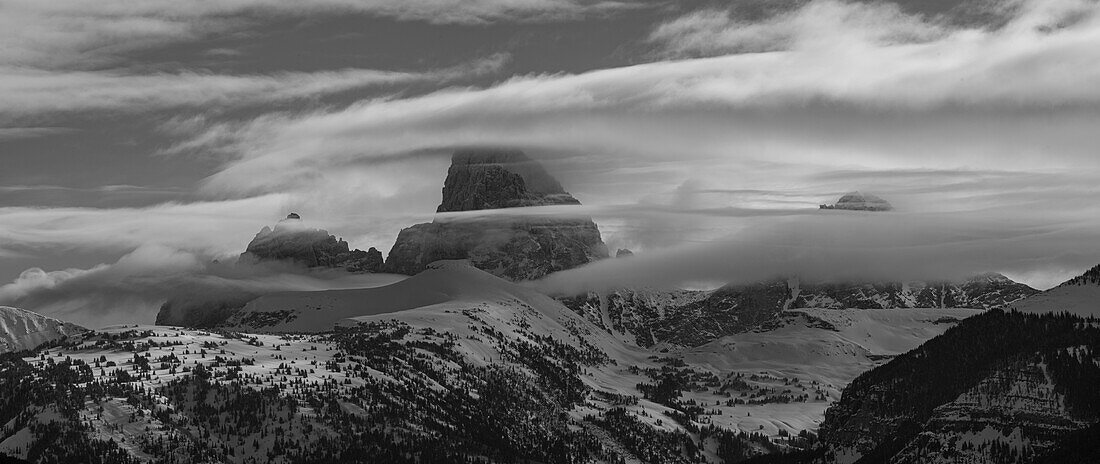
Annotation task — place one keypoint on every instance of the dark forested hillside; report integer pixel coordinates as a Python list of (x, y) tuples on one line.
[(1027, 380)]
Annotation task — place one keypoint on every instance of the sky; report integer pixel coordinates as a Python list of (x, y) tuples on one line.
[(140, 142)]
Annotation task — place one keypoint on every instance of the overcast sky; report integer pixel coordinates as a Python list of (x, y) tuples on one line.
[(142, 140)]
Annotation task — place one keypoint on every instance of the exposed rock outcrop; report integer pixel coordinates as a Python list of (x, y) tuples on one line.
[(857, 201), (291, 241), (515, 247), (986, 291), (480, 179)]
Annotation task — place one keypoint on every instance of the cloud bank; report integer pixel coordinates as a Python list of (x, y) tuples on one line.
[(710, 162), (133, 288), (836, 246)]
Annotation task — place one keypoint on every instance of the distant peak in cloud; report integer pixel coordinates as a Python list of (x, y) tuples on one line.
[(293, 241), (515, 248), (858, 201), (492, 178)]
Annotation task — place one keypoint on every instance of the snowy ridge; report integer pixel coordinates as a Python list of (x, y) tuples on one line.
[(24, 330), (1082, 300), (1079, 295)]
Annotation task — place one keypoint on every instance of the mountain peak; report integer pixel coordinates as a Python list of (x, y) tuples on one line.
[(493, 178), (290, 240), (859, 201), (514, 247)]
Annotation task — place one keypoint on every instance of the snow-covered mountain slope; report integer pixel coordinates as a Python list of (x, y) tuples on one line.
[(824, 349), (1079, 295), (1082, 300), (24, 330), (439, 367), (320, 311), (495, 372)]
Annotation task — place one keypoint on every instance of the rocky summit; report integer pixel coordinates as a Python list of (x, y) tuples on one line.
[(515, 247), (480, 179), (857, 201), (291, 241)]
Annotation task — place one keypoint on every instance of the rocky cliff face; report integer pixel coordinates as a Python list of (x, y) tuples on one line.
[(291, 241), (633, 315), (512, 247)]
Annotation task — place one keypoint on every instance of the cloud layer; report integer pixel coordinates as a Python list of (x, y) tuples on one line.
[(848, 96), (709, 160)]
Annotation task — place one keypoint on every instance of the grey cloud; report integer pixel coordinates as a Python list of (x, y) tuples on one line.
[(30, 93), (9, 133), (715, 32), (907, 101), (72, 33), (843, 246)]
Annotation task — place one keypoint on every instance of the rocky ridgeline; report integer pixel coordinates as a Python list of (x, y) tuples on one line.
[(509, 245), (291, 241), (693, 318), (986, 291)]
